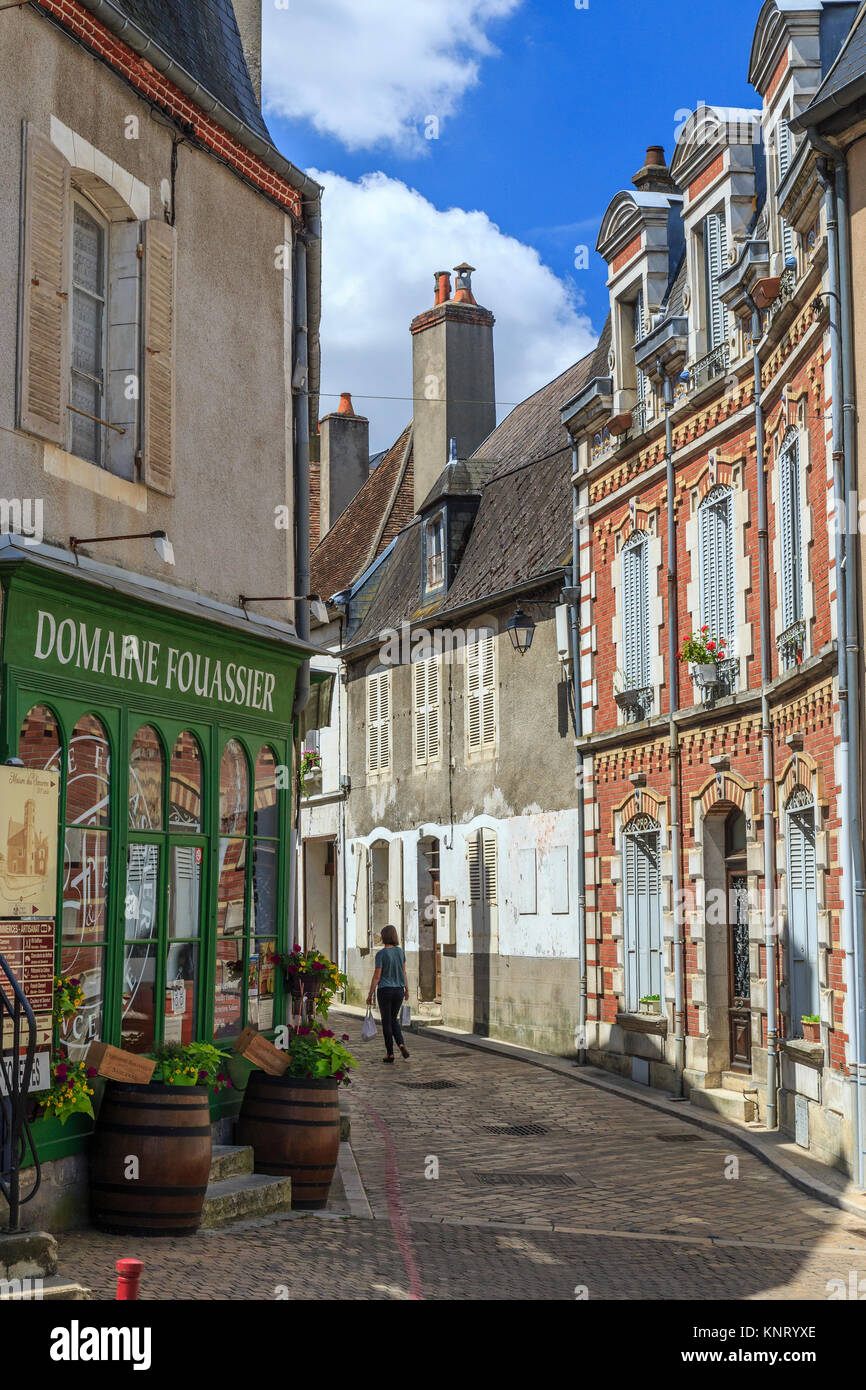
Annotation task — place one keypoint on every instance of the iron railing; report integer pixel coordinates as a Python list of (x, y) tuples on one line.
[(707, 368), (791, 644), (16, 1023), (639, 417), (787, 288)]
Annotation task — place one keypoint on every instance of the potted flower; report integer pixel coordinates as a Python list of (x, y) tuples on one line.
[(71, 1090), (703, 652), (192, 1064), (292, 1122), (811, 1028), (311, 769), (650, 1003), (310, 975)]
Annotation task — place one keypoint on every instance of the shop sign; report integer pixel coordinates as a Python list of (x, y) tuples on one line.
[(261, 1053), (28, 947), (28, 843), (117, 1065)]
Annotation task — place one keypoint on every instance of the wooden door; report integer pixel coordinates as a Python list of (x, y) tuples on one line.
[(740, 1006)]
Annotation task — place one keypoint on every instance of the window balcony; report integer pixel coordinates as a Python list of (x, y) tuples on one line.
[(636, 703), (727, 674), (639, 417), (708, 368), (787, 290), (791, 644)]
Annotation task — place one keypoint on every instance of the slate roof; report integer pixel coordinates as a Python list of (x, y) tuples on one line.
[(203, 38), (374, 517), (846, 79), (523, 527)]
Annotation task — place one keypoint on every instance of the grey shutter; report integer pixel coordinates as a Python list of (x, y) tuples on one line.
[(642, 916), (790, 531), (716, 563), (639, 332), (635, 602), (783, 163), (44, 361), (432, 708), (473, 859), (419, 685), (802, 916), (488, 691), (372, 724), (716, 257), (160, 256), (491, 871)]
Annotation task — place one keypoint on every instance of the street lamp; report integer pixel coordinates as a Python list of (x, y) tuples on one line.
[(161, 543), (318, 608), (521, 630)]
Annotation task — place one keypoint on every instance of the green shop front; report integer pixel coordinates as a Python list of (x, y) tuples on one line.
[(170, 730)]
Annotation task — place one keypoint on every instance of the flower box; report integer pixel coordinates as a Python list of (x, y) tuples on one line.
[(706, 675), (811, 1030)]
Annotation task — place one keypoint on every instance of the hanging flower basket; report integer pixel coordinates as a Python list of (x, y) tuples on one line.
[(306, 986)]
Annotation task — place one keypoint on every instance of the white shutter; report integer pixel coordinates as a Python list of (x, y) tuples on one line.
[(642, 915), (802, 916), (716, 256), (433, 737), (488, 693), (635, 609), (395, 884), (419, 690), (362, 901), (44, 362), (160, 256), (372, 724), (716, 559), (473, 859), (379, 721), (639, 333), (790, 532), (385, 719), (783, 164), (491, 868), (473, 694)]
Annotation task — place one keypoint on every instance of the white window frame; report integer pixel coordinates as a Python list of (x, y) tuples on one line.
[(426, 711), (636, 611), (800, 806), (378, 711), (792, 571), (784, 156), (715, 255), (434, 554), (642, 930), (481, 695), (717, 592), (78, 199)]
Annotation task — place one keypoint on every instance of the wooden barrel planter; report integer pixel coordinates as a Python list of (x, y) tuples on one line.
[(293, 1126), (167, 1129)]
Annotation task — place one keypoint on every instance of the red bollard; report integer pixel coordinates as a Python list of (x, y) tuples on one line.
[(128, 1276)]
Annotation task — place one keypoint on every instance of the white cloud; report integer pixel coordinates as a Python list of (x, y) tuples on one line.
[(382, 243), (370, 72)]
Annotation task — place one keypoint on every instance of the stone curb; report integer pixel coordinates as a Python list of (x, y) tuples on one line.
[(761, 1148)]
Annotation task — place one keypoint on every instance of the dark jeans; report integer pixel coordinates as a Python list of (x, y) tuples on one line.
[(390, 1003)]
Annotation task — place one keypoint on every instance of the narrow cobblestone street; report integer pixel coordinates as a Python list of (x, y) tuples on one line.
[(546, 1188)]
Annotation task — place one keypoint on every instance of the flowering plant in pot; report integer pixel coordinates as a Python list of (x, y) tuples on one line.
[(68, 998), (309, 973), (315, 1052), (192, 1064), (703, 652), (811, 1028), (71, 1090), (311, 768)]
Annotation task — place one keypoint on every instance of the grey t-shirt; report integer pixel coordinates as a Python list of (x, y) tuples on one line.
[(390, 961)]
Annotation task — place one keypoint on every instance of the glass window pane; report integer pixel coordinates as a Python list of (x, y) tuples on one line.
[(228, 988), (184, 795), (180, 994), (84, 963), (146, 775), (88, 768), (184, 890), (87, 336), (88, 251), (234, 790), (39, 744), (264, 888), (231, 895), (260, 984), (85, 885), (139, 977), (142, 886), (265, 809)]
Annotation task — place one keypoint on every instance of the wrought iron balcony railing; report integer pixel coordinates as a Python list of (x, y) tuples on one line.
[(791, 645), (707, 368)]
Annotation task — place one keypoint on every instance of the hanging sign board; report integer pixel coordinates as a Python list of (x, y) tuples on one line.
[(28, 842), (117, 1065), (261, 1052), (28, 947)]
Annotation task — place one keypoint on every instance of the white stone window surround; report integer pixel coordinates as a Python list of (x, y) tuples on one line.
[(808, 780), (806, 528), (648, 524), (782, 113), (742, 562), (641, 803), (622, 339), (124, 202)]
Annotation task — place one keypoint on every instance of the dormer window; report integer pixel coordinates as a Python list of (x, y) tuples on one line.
[(434, 552), (784, 153), (715, 264), (640, 377)]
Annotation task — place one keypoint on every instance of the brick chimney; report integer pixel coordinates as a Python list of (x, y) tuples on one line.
[(248, 14), (344, 460), (654, 176), (452, 377)]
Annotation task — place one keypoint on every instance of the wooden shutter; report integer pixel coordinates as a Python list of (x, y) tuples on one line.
[(790, 533), (473, 694), (490, 881), (372, 723), (362, 900), (395, 883), (783, 164), (385, 719), (488, 690), (643, 972), (44, 364), (433, 734), (635, 610), (802, 916), (473, 859), (716, 563), (419, 692), (639, 334), (716, 257), (379, 721), (160, 256)]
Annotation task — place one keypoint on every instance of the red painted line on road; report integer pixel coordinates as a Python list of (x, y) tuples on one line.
[(398, 1216)]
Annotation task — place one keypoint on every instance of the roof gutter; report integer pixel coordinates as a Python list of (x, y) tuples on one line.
[(141, 43)]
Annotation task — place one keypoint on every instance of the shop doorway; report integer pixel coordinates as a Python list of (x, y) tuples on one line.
[(320, 897), (429, 953)]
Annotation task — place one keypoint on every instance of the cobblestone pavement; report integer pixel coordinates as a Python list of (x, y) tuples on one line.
[(546, 1186)]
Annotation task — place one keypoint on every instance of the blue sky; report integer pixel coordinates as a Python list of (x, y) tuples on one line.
[(544, 111)]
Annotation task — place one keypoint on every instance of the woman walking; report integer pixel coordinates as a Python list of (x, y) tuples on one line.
[(390, 984)]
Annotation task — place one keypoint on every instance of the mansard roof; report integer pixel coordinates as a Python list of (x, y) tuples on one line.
[(846, 80)]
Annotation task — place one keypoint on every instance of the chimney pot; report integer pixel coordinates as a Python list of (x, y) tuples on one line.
[(442, 280), (463, 293), (345, 407), (655, 155)]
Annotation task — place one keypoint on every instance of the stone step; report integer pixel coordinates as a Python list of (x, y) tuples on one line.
[(737, 1081), (53, 1289), (244, 1198), (734, 1105), (345, 1121), (27, 1254), (428, 1011), (231, 1161)]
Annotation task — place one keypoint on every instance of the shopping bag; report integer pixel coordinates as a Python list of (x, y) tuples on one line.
[(368, 1027), (405, 1016)]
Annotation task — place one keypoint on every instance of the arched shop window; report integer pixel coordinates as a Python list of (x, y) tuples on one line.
[(184, 800), (260, 986), (86, 856), (163, 897)]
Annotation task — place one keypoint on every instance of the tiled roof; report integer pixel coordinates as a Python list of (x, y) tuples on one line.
[(523, 527), (203, 38), (379, 512), (844, 81)]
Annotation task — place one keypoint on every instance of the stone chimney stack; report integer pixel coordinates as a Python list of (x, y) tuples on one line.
[(654, 176), (344, 461), (452, 377), (248, 14)]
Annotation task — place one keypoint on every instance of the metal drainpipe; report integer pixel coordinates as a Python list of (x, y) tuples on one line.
[(850, 935), (582, 1008), (674, 750), (766, 738), (852, 608)]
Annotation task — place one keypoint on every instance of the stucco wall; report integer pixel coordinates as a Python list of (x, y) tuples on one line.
[(232, 336)]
